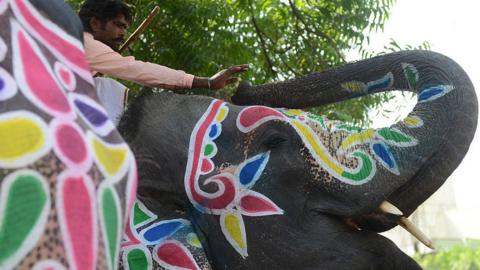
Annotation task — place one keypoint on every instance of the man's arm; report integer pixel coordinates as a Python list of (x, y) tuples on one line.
[(106, 61)]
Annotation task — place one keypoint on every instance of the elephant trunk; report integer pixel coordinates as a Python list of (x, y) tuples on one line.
[(441, 125)]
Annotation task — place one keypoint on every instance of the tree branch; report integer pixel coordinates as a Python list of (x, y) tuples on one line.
[(262, 42)]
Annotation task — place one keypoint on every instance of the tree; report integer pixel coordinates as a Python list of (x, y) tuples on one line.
[(279, 38)]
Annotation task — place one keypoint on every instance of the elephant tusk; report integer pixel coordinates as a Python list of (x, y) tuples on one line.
[(406, 224), (390, 208), (411, 228)]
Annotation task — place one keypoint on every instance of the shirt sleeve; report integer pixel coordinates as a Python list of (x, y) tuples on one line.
[(103, 59)]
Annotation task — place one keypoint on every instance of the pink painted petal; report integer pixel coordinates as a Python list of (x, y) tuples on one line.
[(78, 219), (35, 77), (65, 76), (131, 190), (255, 204), (174, 255), (64, 46), (70, 145), (252, 117)]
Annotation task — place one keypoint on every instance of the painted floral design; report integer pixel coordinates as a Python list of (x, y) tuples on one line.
[(235, 197), (148, 240), (57, 123), (379, 142)]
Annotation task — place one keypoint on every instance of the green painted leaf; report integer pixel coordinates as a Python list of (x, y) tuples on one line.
[(137, 259), (111, 217), (396, 137), (318, 119), (24, 205), (209, 149), (138, 215), (411, 75)]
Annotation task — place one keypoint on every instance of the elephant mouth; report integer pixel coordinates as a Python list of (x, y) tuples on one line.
[(387, 216)]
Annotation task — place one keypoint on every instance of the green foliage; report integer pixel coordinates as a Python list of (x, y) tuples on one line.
[(280, 39), (455, 258)]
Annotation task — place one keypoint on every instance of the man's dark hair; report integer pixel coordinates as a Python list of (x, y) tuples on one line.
[(103, 10)]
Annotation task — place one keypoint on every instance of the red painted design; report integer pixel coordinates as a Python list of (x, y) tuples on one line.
[(37, 78), (207, 166), (227, 196), (59, 42), (172, 254), (256, 204), (252, 116), (78, 220), (223, 198)]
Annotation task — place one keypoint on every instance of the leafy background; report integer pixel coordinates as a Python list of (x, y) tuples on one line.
[(280, 39)]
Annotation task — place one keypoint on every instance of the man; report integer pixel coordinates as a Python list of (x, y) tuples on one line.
[(105, 23)]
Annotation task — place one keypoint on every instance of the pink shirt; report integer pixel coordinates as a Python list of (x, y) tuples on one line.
[(104, 60)]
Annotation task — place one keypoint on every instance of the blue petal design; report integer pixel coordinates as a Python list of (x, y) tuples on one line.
[(215, 131), (252, 168), (381, 83), (434, 92), (385, 156), (94, 116), (160, 231)]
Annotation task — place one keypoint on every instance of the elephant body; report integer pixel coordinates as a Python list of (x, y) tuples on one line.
[(260, 185)]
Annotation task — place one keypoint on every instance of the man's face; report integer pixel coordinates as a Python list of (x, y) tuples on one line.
[(112, 32)]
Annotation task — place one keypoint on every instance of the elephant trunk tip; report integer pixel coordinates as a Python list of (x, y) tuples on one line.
[(242, 95)]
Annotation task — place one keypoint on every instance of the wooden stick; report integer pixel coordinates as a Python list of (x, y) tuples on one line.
[(139, 29)]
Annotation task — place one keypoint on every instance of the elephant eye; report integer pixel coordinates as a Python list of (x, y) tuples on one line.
[(274, 142)]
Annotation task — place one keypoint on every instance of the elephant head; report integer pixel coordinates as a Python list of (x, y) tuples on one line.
[(267, 188)]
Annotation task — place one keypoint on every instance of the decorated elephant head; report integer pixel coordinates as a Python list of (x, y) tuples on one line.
[(273, 188), (67, 179)]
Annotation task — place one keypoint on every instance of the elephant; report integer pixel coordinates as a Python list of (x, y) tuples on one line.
[(261, 184), (257, 185), (67, 178)]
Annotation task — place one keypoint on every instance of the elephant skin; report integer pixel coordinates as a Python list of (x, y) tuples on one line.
[(267, 188)]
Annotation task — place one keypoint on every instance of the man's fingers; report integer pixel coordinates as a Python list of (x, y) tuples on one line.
[(231, 80), (237, 69)]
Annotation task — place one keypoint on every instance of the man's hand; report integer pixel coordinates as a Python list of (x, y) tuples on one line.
[(220, 79), (225, 77)]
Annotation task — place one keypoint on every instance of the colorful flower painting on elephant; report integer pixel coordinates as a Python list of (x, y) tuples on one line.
[(64, 167)]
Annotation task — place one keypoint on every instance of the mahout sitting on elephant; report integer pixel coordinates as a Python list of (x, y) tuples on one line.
[(265, 187)]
